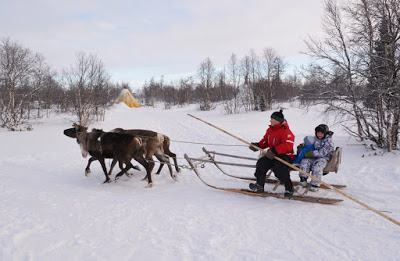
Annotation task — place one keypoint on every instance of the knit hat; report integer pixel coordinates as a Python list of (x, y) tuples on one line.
[(322, 128), (309, 140), (278, 115)]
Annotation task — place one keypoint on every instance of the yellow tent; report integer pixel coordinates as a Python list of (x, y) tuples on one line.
[(128, 99)]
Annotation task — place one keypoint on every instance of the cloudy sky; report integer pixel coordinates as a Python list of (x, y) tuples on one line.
[(140, 39)]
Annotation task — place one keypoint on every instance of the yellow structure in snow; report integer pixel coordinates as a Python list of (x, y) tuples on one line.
[(127, 98)]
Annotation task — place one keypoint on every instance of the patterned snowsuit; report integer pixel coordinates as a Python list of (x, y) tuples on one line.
[(324, 149)]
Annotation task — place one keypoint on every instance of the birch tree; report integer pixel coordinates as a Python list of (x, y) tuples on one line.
[(17, 65), (357, 67), (206, 76), (86, 80)]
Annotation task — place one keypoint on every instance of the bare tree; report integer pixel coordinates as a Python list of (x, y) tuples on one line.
[(358, 67), (206, 75), (43, 84), (225, 91), (255, 76), (87, 81), (17, 64), (246, 94), (234, 81), (273, 66), (185, 90)]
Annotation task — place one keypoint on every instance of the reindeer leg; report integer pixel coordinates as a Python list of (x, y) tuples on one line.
[(136, 167), (121, 167), (122, 172), (173, 156), (133, 167), (148, 166), (103, 165), (113, 165), (159, 169), (165, 159), (87, 170), (150, 163), (147, 176)]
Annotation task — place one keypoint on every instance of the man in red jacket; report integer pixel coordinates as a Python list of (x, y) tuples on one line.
[(279, 141)]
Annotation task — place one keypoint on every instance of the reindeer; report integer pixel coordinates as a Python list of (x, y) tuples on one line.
[(94, 147), (154, 144), (118, 146)]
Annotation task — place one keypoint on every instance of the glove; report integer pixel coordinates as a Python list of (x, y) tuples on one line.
[(255, 144), (309, 154), (271, 153), (300, 146)]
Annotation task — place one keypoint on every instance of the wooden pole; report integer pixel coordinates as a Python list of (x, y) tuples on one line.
[(305, 173)]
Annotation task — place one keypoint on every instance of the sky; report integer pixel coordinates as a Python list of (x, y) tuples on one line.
[(137, 40)]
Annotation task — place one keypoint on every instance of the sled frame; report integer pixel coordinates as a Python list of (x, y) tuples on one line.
[(332, 166)]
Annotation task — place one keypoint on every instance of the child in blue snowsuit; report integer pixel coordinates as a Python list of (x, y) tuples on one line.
[(308, 145)]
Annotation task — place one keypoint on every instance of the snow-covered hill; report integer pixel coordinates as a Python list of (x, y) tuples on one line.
[(51, 211)]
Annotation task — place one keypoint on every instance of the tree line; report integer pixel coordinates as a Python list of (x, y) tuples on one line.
[(354, 75), (30, 89), (253, 82)]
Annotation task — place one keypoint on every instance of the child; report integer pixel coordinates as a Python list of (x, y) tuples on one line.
[(308, 145), (316, 160)]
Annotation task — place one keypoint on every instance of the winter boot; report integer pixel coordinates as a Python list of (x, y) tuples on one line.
[(302, 183), (256, 187), (314, 188), (288, 193)]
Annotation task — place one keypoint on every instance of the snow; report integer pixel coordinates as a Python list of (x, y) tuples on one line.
[(51, 211)]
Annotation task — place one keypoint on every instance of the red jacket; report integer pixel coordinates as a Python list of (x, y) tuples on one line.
[(279, 137)]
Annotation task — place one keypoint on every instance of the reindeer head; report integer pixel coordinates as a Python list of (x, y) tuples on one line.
[(71, 132), (81, 138)]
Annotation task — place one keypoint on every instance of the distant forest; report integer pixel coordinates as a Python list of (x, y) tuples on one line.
[(354, 74)]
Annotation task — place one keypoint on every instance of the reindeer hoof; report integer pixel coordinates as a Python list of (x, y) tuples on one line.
[(175, 177), (87, 172), (150, 185), (136, 167), (107, 181), (178, 170)]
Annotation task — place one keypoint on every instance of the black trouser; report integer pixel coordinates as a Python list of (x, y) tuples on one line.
[(280, 170)]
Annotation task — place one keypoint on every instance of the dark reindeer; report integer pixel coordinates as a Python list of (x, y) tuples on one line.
[(94, 147), (118, 146), (154, 144)]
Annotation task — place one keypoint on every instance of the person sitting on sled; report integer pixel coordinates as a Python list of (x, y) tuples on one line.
[(302, 149), (279, 141), (317, 159)]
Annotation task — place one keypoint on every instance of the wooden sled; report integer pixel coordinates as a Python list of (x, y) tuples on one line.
[(298, 197), (332, 166)]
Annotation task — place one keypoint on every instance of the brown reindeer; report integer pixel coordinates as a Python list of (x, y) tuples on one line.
[(154, 144), (95, 145), (119, 146)]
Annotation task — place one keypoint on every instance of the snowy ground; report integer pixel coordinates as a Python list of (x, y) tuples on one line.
[(51, 211)]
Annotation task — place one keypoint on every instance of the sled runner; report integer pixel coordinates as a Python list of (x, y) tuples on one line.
[(300, 197)]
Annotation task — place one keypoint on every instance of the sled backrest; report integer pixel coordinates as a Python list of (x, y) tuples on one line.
[(333, 164)]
